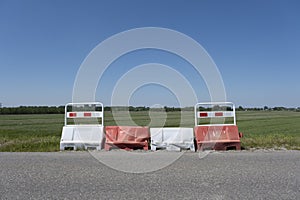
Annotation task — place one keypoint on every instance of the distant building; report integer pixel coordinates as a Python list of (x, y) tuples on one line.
[(0, 105)]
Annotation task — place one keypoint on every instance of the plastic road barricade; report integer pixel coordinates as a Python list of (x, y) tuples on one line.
[(219, 130), (83, 126), (127, 137), (173, 139)]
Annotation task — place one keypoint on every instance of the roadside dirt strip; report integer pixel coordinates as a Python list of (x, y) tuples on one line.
[(260, 174)]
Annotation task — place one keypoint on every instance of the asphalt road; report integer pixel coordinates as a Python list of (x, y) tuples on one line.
[(78, 175)]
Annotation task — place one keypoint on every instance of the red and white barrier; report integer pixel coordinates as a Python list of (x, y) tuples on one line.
[(220, 136)]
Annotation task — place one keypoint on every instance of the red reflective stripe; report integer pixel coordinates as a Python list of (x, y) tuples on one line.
[(218, 114), (203, 114), (72, 114), (87, 114)]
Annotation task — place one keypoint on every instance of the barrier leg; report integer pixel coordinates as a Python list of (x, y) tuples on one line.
[(153, 147), (107, 147), (146, 146), (238, 146), (192, 148), (199, 147)]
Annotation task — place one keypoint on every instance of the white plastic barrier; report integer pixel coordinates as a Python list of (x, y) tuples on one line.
[(173, 139), (83, 135)]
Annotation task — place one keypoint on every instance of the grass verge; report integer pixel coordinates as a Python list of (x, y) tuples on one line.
[(261, 129)]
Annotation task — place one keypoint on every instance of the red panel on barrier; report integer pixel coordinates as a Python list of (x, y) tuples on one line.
[(217, 137), (127, 137), (72, 114), (203, 114), (111, 133), (87, 114), (219, 114)]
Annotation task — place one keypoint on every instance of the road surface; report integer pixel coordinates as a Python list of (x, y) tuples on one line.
[(219, 175)]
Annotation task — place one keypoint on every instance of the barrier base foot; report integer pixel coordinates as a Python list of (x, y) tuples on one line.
[(79, 146), (219, 146), (126, 146)]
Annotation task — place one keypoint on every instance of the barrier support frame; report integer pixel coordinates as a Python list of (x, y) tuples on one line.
[(84, 103), (214, 103)]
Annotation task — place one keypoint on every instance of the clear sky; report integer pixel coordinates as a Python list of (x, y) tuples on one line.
[(255, 44)]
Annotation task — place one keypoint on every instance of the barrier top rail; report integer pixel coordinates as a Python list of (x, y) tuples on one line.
[(214, 110), (84, 113)]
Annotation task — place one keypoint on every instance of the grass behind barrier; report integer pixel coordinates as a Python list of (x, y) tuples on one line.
[(270, 129), (261, 129), (30, 132)]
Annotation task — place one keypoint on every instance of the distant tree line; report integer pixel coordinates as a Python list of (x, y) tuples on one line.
[(240, 108), (33, 110), (61, 109), (144, 108)]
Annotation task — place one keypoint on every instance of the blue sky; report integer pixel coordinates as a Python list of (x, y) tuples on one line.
[(255, 44)]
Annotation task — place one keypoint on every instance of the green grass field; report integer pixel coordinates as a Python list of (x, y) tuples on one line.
[(261, 129), (270, 129)]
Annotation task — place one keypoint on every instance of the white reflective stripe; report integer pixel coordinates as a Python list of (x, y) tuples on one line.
[(97, 114), (228, 114), (84, 114), (211, 114)]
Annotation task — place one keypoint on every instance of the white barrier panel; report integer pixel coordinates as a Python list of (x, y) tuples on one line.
[(83, 134), (173, 139), (83, 137)]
